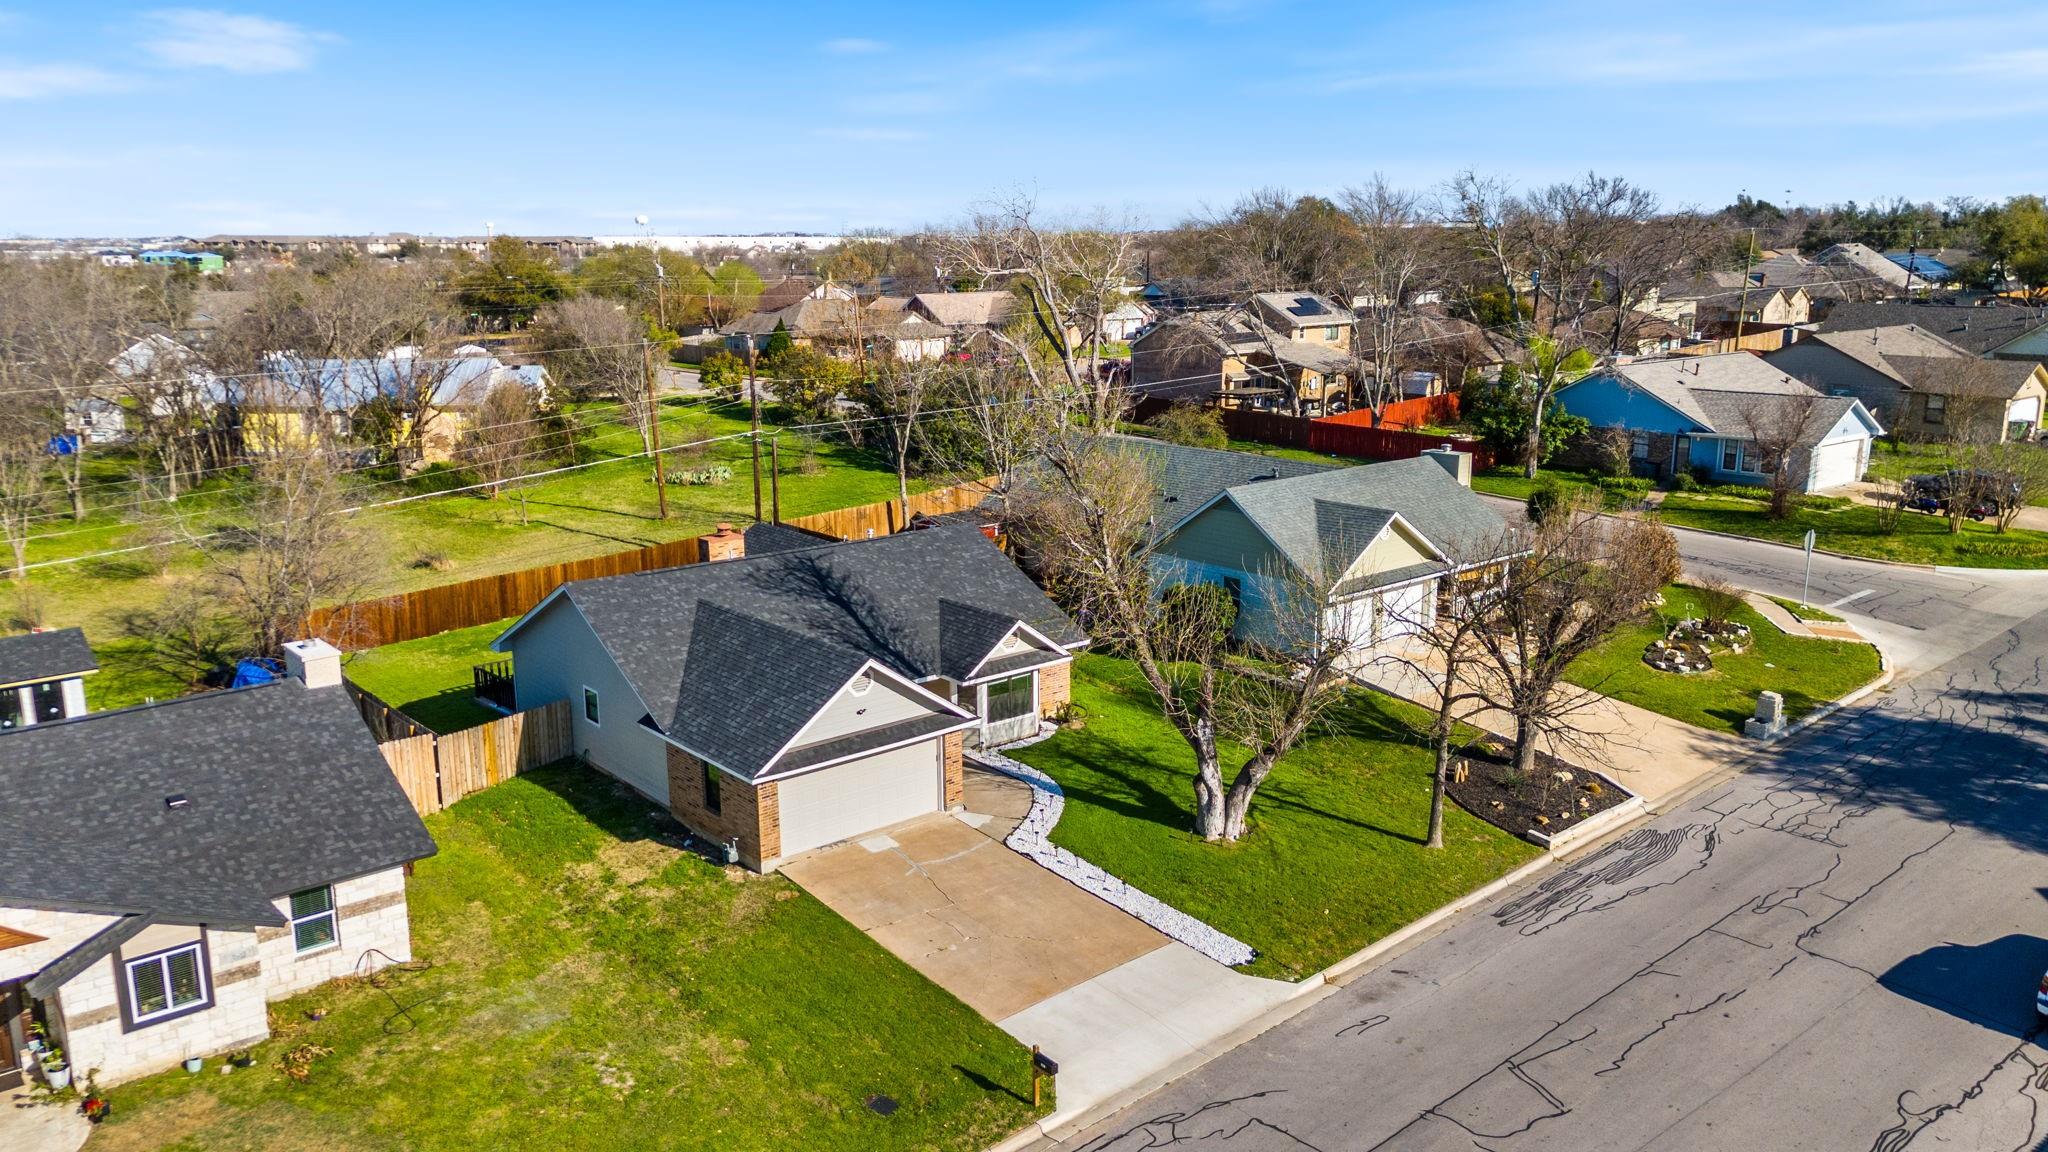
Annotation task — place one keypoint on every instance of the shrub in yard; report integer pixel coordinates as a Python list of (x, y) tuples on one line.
[(1607, 450), (1663, 552), (1626, 487), (1546, 498), (1191, 424), (1718, 601), (433, 561), (1684, 482), (723, 373)]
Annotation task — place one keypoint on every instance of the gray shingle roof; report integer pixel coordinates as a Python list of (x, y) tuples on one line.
[(285, 790), (732, 657), (1187, 478), (1301, 517), (1974, 330), (1875, 348), (45, 656), (1684, 382), (1954, 376)]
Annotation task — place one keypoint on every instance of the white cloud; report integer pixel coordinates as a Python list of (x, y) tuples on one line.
[(854, 46), (37, 81), (209, 38)]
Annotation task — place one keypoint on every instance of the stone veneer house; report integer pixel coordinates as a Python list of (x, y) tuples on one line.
[(42, 677), (168, 870), (778, 703)]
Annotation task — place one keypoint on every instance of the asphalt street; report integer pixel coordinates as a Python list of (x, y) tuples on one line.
[(1835, 950)]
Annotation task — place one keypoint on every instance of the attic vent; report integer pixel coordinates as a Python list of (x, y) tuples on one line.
[(862, 683), (176, 800)]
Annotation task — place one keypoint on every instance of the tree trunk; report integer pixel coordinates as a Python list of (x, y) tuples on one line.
[(1532, 446), (1210, 797), (1436, 792), (1525, 745), (20, 546)]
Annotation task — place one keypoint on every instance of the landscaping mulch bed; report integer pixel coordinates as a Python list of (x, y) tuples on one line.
[(1492, 792)]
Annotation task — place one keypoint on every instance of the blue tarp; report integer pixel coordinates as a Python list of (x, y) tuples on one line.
[(254, 671)]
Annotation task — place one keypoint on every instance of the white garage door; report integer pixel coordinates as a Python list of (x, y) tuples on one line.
[(859, 796), (1836, 464)]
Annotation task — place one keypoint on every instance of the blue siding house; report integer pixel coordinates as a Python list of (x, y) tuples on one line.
[(1703, 415)]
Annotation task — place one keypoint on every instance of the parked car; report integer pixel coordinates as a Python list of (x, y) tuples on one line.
[(1988, 493)]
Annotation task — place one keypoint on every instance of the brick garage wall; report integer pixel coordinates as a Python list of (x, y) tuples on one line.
[(95, 1035), (954, 771), (372, 929), (1055, 687), (747, 813)]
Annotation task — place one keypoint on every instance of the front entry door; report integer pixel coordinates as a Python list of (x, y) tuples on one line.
[(11, 1003), (1681, 455)]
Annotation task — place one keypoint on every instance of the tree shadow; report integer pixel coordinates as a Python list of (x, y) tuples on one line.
[(1990, 984)]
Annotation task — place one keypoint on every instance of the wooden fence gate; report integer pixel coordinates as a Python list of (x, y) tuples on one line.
[(436, 771)]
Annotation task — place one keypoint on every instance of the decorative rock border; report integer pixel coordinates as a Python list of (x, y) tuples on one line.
[(1030, 839)]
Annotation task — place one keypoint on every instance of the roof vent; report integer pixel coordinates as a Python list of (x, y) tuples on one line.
[(862, 683), (176, 800)]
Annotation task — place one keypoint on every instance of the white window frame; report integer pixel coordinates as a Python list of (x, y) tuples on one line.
[(162, 962), (592, 707), (332, 915)]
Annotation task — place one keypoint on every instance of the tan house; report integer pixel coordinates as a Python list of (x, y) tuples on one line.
[(780, 702), (167, 871), (1913, 380), (1279, 352)]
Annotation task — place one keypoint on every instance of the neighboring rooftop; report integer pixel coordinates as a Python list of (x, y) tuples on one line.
[(37, 656), (1876, 348), (282, 788), (967, 309), (1978, 331), (732, 657), (1727, 392)]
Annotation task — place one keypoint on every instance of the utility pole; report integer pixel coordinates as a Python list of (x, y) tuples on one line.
[(1742, 309), (775, 479), (654, 429), (1912, 258), (754, 424)]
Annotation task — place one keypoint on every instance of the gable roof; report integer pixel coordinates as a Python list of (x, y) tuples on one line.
[(1876, 348), (1317, 518), (1727, 393), (1951, 376), (1974, 330), (1187, 478), (35, 656), (700, 642), (285, 790), (967, 309)]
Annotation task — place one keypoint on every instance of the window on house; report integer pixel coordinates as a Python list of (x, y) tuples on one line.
[(48, 701), (313, 922), (1010, 699), (1740, 456), (1937, 409), (590, 705), (711, 802), (1639, 445), (166, 983)]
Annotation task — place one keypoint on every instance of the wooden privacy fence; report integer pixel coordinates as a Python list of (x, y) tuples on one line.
[(1769, 340), (436, 771), (1350, 434), (1411, 413), (469, 603)]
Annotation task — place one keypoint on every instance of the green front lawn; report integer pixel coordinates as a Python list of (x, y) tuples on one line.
[(1807, 671), (429, 679), (1806, 612), (1334, 859), (583, 984), (1507, 480), (1853, 529)]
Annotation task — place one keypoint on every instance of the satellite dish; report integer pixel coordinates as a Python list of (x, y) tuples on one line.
[(641, 220)]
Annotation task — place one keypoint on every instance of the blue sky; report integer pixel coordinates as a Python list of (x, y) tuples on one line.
[(554, 117)]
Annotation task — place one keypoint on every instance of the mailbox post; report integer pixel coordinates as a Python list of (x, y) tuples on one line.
[(1041, 1065)]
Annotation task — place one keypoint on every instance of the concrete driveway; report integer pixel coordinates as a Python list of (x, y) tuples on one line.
[(984, 923)]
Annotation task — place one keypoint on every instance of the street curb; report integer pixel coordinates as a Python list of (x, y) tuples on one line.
[(1592, 827), (1937, 569)]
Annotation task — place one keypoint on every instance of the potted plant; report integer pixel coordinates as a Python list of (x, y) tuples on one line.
[(55, 1071), (95, 1107), (38, 1038)]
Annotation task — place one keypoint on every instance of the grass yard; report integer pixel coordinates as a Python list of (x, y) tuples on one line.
[(583, 984), (1853, 529), (1807, 671), (429, 679), (1806, 612), (1334, 859), (604, 508), (1507, 480)]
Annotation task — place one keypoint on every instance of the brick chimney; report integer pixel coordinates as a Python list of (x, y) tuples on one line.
[(724, 544), (315, 662)]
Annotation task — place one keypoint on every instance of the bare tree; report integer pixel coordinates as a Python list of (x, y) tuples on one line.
[(61, 323), (1396, 249), (1583, 577), (595, 346), (1493, 220), (892, 397), (1087, 520), (2021, 469), (1005, 417), (501, 434), (1268, 241), (1071, 276), (294, 549), (1781, 427), (24, 480)]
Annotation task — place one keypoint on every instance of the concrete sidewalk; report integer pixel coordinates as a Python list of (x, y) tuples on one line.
[(31, 1125), (1651, 755)]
